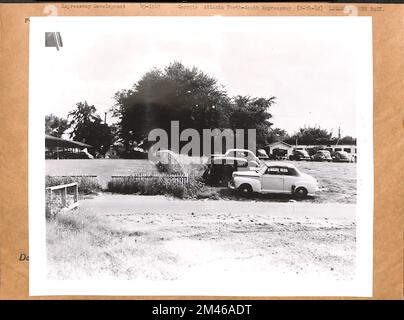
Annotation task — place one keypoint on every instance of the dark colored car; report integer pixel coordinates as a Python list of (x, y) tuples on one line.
[(299, 155), (278, 154), (220, 170)]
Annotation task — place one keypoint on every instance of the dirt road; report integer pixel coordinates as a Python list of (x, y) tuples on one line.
[(154, 237)]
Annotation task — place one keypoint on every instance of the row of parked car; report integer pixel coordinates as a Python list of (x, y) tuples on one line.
[(322, 155), (242, 170), (303, 155)]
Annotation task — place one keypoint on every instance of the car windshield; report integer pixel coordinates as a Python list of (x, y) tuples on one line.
[(303, 153)]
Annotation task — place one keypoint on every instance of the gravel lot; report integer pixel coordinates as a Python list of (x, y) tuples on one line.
[(155, 237)]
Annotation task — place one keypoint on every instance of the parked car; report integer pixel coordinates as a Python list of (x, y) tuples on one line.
[(274, 177), (262, 154), (221, 168), (342, 156), (252, 159), (135, 153), (279, 154), (299, 155), (322, 155), (168, 162)]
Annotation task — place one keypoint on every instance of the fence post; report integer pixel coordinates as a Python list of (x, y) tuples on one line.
[(50, 207), (76, 193), (64, 196)]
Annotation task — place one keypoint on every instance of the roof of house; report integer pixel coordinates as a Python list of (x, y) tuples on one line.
[(51, 141), (277, 142)]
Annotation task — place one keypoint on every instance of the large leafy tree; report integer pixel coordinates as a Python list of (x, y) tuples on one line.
[(88, 127), (176, 93), (251, 113), (189, 96), (55, 126)]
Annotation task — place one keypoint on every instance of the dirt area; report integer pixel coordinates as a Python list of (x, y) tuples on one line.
[(158, 238)]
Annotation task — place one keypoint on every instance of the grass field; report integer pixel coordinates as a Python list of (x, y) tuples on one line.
[(337, 179)]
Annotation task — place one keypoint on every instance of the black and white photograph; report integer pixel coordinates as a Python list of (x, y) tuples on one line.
[(209, 156)]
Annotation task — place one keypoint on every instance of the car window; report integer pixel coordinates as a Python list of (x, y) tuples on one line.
[(273, 171), (241, 164)]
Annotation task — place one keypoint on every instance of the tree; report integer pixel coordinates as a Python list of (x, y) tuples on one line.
[(89, 128), (347, 140), (251, 113), (55, 126), (187, 95), (176, 93), (277, 134), (311, 136)]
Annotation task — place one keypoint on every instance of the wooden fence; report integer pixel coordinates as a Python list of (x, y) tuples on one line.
[(64, 187), (142, 176), (78, 179)]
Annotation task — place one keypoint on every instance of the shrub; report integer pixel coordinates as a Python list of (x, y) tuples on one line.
[(169, 168), (156, 186), (86, 185)]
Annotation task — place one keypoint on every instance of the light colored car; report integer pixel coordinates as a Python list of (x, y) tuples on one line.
[(252, 159), (274, 177), (342, 156), (322, 155), (262, 154)]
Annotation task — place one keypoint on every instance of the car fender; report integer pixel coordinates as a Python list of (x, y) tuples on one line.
[(253, 164), (254, 182), (310, 186)]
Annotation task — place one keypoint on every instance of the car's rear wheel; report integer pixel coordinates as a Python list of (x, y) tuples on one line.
[(301, 192), (245, 190)]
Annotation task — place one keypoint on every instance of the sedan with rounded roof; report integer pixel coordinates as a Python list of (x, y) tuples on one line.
[(274, 177)]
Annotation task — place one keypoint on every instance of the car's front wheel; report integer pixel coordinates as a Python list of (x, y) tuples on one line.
[(245, 190), (301, 192)]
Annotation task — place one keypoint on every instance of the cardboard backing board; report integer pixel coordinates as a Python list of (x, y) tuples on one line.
[(388, 50)]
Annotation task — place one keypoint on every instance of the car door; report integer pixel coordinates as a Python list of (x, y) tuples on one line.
[(289, 178), (272, 180)]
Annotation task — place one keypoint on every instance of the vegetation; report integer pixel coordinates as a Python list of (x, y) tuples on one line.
[(309, 136), (187, 95), (184, 94), (55, 126), (87, 126), (86, 185), (156, 186)]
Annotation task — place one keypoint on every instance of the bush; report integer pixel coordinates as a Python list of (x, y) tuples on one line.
[(156, 186), (86, 185), (169, 168)]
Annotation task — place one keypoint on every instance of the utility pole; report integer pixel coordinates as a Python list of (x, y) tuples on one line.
[(339, 135), (105, 117)]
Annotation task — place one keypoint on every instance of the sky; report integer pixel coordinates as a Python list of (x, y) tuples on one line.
[(308, 64)]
